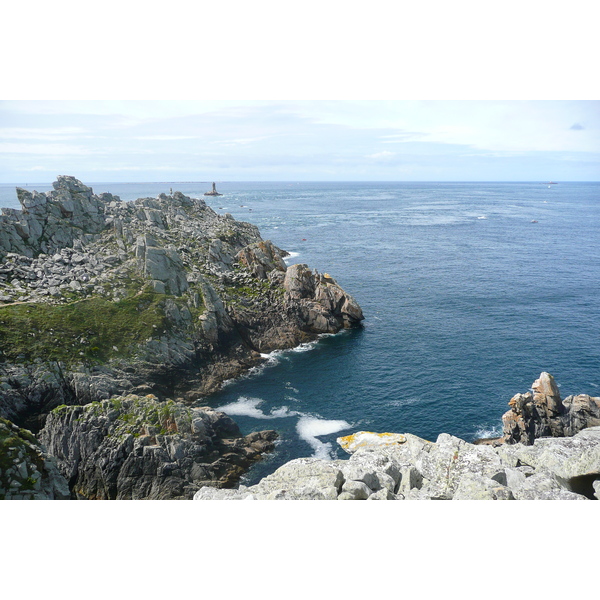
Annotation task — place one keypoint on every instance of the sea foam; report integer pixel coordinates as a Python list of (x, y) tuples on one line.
[(248, 407), (487, 431), (309, 428)]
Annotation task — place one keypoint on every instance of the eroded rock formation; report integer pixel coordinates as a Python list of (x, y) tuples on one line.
[(27, 471), (542, 413), (406, 467), (134, 447), (100, 297)]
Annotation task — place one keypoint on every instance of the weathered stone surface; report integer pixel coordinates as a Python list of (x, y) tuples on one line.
[(300, 479), (543, 413), (581, 411), (478, 487), (27, 471), (136, 447), (449, 469), (363, 439), (355, 490), (261, 258)]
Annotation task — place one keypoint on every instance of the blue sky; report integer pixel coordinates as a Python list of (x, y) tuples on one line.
[(343, 140)]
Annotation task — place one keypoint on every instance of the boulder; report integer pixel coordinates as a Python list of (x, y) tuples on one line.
[(369, 439)]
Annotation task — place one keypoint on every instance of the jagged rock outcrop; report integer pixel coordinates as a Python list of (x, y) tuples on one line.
[(134, 447), (411, 468), (543, 413), (100, 297), (27, 471)]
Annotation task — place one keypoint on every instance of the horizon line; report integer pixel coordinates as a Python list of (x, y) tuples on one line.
[(229, 181)]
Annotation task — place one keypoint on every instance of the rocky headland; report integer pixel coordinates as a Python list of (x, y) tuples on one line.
[(101, 298)]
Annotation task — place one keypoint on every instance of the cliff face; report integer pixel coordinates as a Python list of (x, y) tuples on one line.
[(27, 471), (100, 297), (136, 448)]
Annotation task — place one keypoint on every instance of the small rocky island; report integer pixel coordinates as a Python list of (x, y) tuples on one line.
[(155, 300)]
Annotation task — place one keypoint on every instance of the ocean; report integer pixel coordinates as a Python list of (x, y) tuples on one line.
[(469, 290)]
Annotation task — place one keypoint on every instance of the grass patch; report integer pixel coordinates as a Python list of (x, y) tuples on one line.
[(89, 330)]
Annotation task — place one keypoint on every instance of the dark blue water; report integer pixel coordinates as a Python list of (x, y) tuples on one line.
[(466, 302)]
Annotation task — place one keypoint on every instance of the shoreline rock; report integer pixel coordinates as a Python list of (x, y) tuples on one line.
[(550, 450), (137, 448), (542, 413), (447, 469)]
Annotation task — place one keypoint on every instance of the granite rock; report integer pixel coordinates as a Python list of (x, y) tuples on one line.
[(541, 413), (134, 447), (448, 469), (217, 294)]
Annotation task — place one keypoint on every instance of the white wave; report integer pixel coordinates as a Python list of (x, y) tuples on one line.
[(305, 347), (248, 407), (291, 256), (594, 384), (482, 217), (309, 428), (485, 431)]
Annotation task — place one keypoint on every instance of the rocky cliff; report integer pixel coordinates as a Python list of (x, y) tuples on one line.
[(137, 448), (27, 471), (406, 467), (100, 297)]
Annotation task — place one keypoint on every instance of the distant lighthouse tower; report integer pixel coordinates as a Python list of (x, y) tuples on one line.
[(214, 191)]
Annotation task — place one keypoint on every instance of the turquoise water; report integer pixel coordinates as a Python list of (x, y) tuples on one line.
[(466, 301)]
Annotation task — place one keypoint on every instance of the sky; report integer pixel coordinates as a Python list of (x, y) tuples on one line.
[(303, 140), (322, 91)]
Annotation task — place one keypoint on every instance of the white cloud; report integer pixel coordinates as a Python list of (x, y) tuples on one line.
[(384, 154), (332, 139)]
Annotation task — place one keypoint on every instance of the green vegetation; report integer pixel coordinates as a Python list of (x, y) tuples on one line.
[(136, 413), (255, 289), (94, 329)]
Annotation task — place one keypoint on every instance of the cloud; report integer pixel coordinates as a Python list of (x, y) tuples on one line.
[(576, 126), (379, 155)]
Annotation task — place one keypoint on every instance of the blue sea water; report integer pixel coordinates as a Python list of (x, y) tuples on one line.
[(469, 290)]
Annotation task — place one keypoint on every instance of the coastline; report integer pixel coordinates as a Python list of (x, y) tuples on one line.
[(159, 298)]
